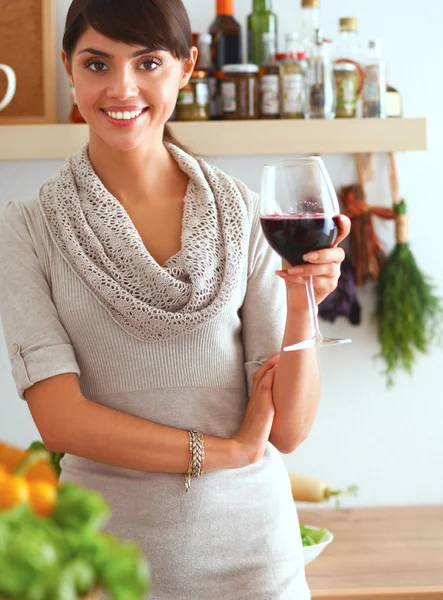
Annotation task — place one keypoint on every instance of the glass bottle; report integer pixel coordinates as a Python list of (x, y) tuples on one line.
[(320, 87), (226, 36), (348, 72), (292, 81), (204, 63), (261, 20), (374, 96), (269, 79), (310, 22)]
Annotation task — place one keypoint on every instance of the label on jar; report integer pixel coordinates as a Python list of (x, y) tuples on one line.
[(202, 93), (293, 93), (229, 95), (270, 94), (346, 96), (185, 97)]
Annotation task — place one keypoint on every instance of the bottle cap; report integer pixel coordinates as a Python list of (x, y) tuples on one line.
[(225, 7), (310, 3), (348, 24)]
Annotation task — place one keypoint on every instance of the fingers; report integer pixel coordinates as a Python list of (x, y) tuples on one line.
[(330, 255), (296, 274), (345, 228), (269, 364), (267, 381)]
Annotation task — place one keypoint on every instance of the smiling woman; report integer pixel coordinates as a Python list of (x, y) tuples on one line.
[(165, 37), (145, 321)]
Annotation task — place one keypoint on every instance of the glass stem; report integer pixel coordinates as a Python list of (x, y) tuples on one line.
[(313, 310)]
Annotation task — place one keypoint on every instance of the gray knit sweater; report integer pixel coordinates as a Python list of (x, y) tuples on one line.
[(235, 535)]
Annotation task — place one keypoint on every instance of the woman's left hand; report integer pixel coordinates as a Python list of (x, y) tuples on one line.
[(325, 268)]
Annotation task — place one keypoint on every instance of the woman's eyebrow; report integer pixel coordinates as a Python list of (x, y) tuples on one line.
[(106, 55)]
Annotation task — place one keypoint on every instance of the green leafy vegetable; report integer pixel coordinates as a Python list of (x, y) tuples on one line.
[(409, 312), (310, 537), (55, 456), (78, 507), (65, 556)]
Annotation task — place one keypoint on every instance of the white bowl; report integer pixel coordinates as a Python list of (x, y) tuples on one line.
[(310, 553)]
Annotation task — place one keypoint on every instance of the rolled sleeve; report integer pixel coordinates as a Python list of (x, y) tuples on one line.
[(38, 345), (264, 308)]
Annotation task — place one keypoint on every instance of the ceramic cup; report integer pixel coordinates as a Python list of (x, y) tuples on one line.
[(12, 86)]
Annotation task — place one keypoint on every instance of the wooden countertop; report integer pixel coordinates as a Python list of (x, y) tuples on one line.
[(393, 553)]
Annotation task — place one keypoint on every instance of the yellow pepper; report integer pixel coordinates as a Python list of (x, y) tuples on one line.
[(41, 470), (27, 477), (14, 491)]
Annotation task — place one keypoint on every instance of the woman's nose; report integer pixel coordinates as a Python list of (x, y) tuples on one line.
[(123, 86)]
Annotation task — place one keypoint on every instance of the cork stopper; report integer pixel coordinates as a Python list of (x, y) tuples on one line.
[(310, 3), (349, 24)]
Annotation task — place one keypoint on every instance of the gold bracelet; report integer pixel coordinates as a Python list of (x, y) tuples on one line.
[(196, 457)]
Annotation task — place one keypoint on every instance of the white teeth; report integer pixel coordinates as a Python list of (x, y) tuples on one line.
[(124, 116)]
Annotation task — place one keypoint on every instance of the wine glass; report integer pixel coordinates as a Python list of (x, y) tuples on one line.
[(300, 214)]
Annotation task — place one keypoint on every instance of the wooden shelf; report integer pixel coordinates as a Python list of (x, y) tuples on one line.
[(234, 138)]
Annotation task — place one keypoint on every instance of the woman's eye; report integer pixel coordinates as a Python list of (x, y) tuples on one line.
[(150, 64), (96, 66)]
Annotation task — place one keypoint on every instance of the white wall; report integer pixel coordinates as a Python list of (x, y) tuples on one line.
[(390, 443)]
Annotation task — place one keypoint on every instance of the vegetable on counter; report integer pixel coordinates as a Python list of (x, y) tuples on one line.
[(50, 544), (55, 457), (30, 480), (309, 489), (310, 537)]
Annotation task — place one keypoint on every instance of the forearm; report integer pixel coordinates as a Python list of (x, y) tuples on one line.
[(114, 438), (296, 388)]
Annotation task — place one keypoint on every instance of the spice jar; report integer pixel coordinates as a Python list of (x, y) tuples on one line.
[(193, 99), (240, 92)]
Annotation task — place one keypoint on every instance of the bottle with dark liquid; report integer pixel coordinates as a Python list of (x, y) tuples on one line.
[(226, 36)]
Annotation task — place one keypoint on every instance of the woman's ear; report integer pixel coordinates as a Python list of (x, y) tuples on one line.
[(188, 66), (67, 66)]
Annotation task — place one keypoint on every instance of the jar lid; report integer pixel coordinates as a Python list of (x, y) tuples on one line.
[(246, 68), (348, 24), (344, 66)]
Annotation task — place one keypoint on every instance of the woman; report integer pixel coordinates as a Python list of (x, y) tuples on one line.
[(138, 299)]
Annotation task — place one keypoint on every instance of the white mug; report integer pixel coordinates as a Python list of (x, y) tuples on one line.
[(12, 86)]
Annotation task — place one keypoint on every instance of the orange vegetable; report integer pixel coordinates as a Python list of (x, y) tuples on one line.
[(27, 477), (42, 498), (14, 491), (11, 458)]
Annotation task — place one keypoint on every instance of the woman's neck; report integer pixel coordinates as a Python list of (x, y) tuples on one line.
[(133, 176)]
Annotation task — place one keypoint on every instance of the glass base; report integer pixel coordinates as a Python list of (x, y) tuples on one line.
[(316, 342)]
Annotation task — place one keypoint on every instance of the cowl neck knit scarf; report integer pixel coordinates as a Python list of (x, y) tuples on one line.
[(97, 238)]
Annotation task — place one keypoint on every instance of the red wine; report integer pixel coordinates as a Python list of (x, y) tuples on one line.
[(292, 236)]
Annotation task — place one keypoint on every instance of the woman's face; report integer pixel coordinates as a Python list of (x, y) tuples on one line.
[(125, 93)]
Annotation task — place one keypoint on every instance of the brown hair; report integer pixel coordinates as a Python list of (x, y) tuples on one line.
[(156, 24)]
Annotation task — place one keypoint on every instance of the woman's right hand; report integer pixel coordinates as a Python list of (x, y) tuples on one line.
[(250, 442)]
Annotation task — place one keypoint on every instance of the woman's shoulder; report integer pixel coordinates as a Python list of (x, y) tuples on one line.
[(20, 220), (250, 198)]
